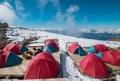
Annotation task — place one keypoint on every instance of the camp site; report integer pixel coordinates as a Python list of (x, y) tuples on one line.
[(47, 56), (59, 40)]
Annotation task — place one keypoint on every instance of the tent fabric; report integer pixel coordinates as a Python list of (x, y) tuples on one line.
[(23, 49), (111, 56), (17, 48), (97, 48), (8, 58), (93, 66), (75, 48), (99, 55), (2, 60), (51, 42), (100, 47), (13, 59), (91, 49), (50, 46), (80, 52), (42, 66)]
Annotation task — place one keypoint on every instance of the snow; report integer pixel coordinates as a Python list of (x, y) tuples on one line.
[(17, 34), (36, 44), (71, 71), (27, 33), (111, 30), (88, 30), (118, 77)]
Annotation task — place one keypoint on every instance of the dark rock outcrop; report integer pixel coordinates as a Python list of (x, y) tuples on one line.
[(4, 25), (3, 38)]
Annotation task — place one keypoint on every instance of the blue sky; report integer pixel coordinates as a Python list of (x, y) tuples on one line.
[(61, 13)]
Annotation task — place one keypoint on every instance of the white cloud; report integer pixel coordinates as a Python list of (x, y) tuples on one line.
[(43, 3), (19, 5), (59, 16), (55, 3), (67, 18), (70, 20), (69, 15), (72, 9), (20, 9), (7, 14)]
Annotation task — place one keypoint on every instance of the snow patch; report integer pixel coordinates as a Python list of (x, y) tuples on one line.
[(71, 71)]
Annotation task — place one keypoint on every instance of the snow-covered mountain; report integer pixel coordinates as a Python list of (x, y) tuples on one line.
[(19, 34), (111, 30), (100, 34), (89, 30)]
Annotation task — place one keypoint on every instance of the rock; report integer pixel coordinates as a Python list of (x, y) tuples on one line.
[(4, 25)]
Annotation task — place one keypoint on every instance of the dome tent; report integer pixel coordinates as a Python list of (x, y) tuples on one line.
[(97, 48), (9, 59), (17, 48), (110, 56), (75, 48), (93, 66), (42, 66), (50, 46)]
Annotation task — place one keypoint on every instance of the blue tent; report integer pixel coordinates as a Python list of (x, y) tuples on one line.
[(49, 48), (8, 58), (13, 59), (91, 49), (80, 52), (75, 48)]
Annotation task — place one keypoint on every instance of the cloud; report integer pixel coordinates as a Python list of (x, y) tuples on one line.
[(43, 3), (67, 18), (70, 20), (68, 15), (59, 16), (72, 9), (7, 14), (56, 3), (19, 5), (61, 19), (20, 9)]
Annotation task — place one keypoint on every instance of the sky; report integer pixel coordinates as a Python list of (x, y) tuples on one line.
[(61, 13)]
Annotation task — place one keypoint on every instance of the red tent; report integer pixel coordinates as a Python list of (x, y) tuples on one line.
[(17, 48), (73, 47), (2, 60), (112, 57), (100, 47), (50, 46), (42, 66), (8, 58), (93, 66), (51, 42)]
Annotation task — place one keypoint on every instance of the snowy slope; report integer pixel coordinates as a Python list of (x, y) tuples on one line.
[(87, 30), (112, 30), (17, 34)]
